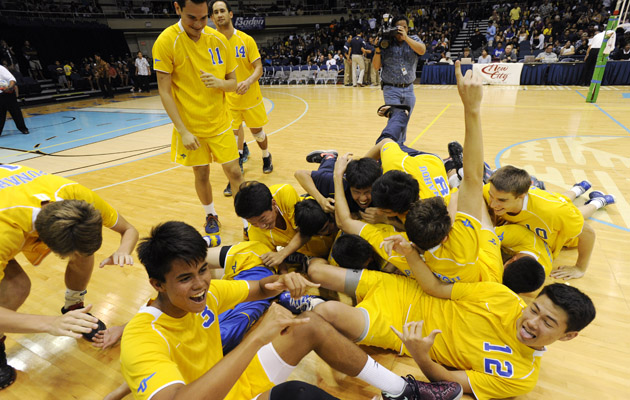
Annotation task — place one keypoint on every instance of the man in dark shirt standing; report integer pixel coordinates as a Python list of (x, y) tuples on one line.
[(399, 61), (347, 63), (369, 69), (357, 48), (477, 41)]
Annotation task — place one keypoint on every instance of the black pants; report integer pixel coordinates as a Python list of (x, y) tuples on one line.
[(589, 67), (8, 102), (143, 82), (106, 87)]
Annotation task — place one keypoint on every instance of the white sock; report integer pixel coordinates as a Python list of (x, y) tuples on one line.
[(73, 297), (240, 152), (578, 190), (378, 376), (598, 202), (209, 209), (265, 153), (245, 223)]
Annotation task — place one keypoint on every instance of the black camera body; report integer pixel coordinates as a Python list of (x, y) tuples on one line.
[(387, 32)]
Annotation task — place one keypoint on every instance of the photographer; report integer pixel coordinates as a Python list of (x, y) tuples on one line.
[(398, 55)]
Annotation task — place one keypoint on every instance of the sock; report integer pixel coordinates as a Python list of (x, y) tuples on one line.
[(74, 297), (598, 202), (578, 190), (378, 376), (209, 209), (315, 302), (454, 181), (240, 152), (245, 223), (265, 153)]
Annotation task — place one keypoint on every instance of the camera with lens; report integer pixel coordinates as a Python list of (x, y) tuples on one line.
[(388, 32)]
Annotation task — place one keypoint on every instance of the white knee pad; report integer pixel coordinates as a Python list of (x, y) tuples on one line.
[(260, 136)]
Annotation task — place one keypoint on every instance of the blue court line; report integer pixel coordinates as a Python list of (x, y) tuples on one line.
[(273, 105), (625, 95), (497, 163), (602, 110)]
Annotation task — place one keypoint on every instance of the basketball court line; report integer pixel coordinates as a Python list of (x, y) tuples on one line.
[(608, 115), (430, 124), (177, 166), (497, 163)]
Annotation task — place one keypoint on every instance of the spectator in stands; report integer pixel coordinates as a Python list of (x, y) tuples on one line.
[(581, 46), (8, 102), (86, 73), (623, 54), (477, 42), (498, 51), (515, 14), (547, 56), (143, 73), (61, 76), (35, 67), (490, 32), (102, 74), (567, 49), (466, 54), (509, 55), (537, 41), (484, 58), (446, 58), (330, 61), (7, 53), (399, 61), (357, 50)]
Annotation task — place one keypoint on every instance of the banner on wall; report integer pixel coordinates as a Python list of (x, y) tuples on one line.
[(249, 23), (499, 73)]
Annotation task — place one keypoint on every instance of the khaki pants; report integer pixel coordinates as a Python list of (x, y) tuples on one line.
[(375, 77), (347, 72), (357, 60), (368, 71)]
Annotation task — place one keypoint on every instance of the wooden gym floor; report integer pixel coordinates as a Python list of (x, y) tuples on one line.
[(550, 131)]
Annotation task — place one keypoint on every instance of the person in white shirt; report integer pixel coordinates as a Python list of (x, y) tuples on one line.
[(143, 72), (330, 61), (547, 56), (8, 101), (567, 49), (484, 58)]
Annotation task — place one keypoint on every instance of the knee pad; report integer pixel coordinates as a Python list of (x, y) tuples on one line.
[(260, 136)]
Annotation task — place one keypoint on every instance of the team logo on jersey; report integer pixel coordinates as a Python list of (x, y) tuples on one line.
[(208, 317), (182, 155), (143, 383), (467, 223)]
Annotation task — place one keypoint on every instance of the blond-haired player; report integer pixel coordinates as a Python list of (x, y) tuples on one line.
[(246, 104), (195, 67)]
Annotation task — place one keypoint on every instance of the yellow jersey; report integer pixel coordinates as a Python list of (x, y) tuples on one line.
[(375, 234), (23, 190), (551, 216), (478, 324), (427, 169), (244, 256), (203, 110), (158, 350), (518, 239), (460, 258), (286, 197), (246, 53)]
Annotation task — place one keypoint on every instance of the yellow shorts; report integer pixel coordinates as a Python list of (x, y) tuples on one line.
[(251, 383), (388, 300), (220, 149), (255, 117)]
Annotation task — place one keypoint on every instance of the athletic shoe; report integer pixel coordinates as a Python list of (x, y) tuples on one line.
[(583, 186), (90, 335), (7, 372), (386, 109), (227, 192), (298, 259), (212, 240), (245, 152), (415, 390), (537, 183), (456, 152), (317, 156), (267, 165), (596, 194), (298, 306), (241, 160), (212, 224)]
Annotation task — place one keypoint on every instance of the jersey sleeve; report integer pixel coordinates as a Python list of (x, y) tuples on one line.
[(375, 234), (80, 192), (486, 386), (146, 363), (163, 53), (252, 50), (463, 240), (227, 294)]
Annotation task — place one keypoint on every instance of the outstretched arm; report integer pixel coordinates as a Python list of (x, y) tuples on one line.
[(342, 211), (128, 240), (72, 324), (471, 189), (586, 242)]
